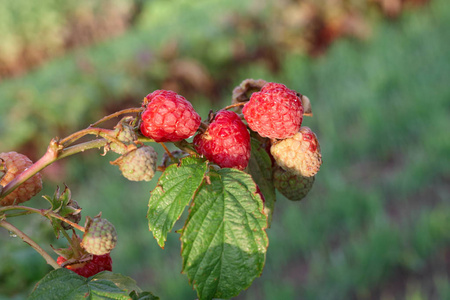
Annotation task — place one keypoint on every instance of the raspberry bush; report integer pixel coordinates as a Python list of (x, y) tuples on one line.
[(225, 173)]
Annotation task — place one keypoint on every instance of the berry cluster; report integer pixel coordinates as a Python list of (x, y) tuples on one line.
[(271, 110), (266, 113)]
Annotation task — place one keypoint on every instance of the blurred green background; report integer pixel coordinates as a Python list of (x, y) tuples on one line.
[(376, 225)]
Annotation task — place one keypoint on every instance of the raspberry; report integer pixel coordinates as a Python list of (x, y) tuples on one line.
[(275, 112), (138, 164), (100, 236), (168, 117), (124, 132), (15, 163), (226, 142), (299, 154), (242, 92), (96, 264), (292, 186), (75, 216)]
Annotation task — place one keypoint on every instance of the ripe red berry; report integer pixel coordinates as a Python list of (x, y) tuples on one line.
[(14, 164), (89, 268), (275, 112), (168, 117), (226, 142)]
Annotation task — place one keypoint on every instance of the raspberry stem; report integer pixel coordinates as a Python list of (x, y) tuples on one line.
[(8, 226), (168, 152), (235, 105), (74, 225), (42, 212), (55, 151), (118, 113), (105, 133), (185, 146)]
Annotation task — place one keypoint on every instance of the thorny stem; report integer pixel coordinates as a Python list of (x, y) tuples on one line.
[(98, 143), (118, 113), (74, 225), (42, 212), (30, 210), (79, 134), (54, 152), (8, 226), (49, 157)]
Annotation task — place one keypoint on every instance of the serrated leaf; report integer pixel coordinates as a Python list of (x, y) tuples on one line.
[(260, 167), (176, 187), (66, 284), (143, 296), (224, 241), (123, 282)]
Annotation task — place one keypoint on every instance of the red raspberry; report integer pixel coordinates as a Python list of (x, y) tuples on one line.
[(226, 141), (89, 268), (275, 112), (299, 154), (15, 163), (168, 117)]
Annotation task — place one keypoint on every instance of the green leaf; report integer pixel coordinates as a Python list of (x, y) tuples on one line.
[(66, 284), (123, 282), (143, 296), (176, 187), (260, 167), (59, 203), (224, 242)]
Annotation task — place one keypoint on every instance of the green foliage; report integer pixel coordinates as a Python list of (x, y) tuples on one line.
[(175, 189), (381, 107), (224, 240), (65, 284), (260, 167)]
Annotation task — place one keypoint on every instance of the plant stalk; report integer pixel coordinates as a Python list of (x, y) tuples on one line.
[(8, 226), (54, 152)]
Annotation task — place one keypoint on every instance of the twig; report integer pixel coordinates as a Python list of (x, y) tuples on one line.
[(234, 105), (54, 152), (118, 113), (8, 226)]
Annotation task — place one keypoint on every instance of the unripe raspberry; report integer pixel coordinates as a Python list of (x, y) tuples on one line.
[(15, 163), (226, 142), (299, 154), (124, 132), (168, 117), (100, 236), (75, 217), (138, 164), (275, 112), (292, 186)]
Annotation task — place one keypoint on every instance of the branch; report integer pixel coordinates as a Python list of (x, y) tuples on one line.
[(29, 241)]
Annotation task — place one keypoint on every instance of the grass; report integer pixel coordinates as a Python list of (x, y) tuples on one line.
[(379, 210)]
